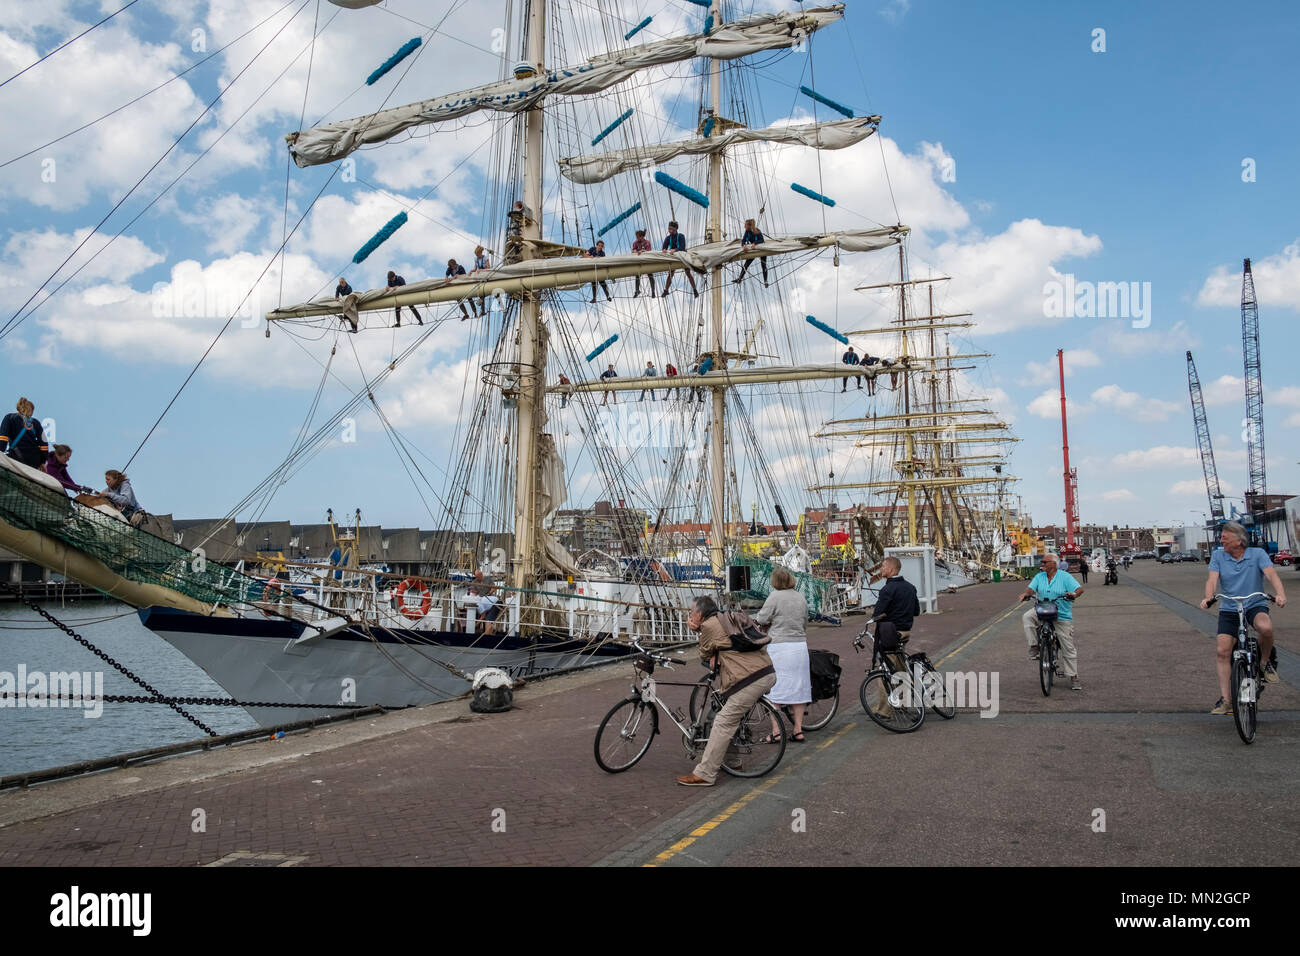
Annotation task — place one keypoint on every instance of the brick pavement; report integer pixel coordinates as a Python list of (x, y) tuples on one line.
[(426, 795)]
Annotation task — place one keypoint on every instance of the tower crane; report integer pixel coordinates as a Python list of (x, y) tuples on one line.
[(1203, 444), (1254, 421)]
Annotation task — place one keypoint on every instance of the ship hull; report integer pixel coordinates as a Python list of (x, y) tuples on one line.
[(281, 662)]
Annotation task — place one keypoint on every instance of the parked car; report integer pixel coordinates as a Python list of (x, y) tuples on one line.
[(1194, 556), (1169, 558), (1284, 558)]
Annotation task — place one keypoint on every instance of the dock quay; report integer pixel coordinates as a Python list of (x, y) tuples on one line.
[(1135, 749)]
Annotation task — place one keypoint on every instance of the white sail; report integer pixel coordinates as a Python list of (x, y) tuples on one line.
[(833, 135), (534, 275), (333, 141)]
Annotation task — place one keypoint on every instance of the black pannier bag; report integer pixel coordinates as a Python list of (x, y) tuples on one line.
[(825, 669)]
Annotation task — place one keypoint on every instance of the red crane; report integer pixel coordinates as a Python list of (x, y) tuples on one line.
[(1071, 552)]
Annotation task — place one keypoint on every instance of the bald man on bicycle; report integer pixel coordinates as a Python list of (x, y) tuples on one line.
[(1237, 569)]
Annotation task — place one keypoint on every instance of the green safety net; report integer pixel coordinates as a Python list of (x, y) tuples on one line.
[(818, 592), (130, 552)]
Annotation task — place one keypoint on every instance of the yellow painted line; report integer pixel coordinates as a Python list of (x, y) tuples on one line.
[(982, 631), (706, 828)]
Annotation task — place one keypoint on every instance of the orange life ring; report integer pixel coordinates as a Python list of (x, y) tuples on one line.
[(412, 612)]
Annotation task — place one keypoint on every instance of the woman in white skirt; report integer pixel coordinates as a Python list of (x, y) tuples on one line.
[(787, 614)]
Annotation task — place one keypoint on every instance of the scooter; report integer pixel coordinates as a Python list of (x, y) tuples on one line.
[(1112, 575)]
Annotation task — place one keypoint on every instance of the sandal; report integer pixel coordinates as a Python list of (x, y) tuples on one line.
[(770, 739), (798, 738)]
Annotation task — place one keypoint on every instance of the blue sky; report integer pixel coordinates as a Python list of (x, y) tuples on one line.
[(1115, 166)]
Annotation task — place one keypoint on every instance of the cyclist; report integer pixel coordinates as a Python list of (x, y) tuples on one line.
[(1051, 584), (1237, 569)]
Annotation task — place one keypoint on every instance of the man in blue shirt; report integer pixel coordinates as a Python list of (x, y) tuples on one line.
[(394, 281), (453, 271), (598, 252), (608, 374), (650, 372), (1051, 584), (1237, 569), (851, 358), (343, 290), (676, 242)]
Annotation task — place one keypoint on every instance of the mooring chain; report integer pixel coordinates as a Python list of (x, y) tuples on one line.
[(157, 696), (190, 701), (108, 660)]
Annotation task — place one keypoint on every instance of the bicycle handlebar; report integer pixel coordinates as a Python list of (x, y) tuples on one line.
[(1240, 597)]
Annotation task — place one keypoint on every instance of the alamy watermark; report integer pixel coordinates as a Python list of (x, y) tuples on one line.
[(962, 689), (631, 425), (26, 689), (1068, 298)]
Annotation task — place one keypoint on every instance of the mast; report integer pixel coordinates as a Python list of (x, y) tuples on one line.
[(532, 345), (909, 453), (1071, 504), (717, 463)]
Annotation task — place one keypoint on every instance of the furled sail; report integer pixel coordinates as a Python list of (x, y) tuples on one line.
[(753, 34), (832, 135), (534, 275)]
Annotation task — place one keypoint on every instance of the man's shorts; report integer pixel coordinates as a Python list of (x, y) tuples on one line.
[(1228, 620)]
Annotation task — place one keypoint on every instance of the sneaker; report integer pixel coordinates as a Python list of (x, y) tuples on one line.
[(1222, 708), (1074, 683), (690, 780), (1270, 675), (1033, 653)]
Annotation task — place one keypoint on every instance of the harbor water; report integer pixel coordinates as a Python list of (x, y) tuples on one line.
[(35, 738)]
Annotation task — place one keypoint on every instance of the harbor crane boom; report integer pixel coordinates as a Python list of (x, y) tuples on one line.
[(1203, 443), (1254, 422)]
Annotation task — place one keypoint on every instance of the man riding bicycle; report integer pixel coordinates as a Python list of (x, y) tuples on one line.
[(1237, 569), (1051, 584)]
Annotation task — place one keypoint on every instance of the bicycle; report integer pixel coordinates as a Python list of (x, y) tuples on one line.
[(889, 694), (1247, 668), (1049, 644), (628, 730), (816, 714)]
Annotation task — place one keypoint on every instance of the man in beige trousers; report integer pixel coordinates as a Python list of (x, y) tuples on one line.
[(743, 676)]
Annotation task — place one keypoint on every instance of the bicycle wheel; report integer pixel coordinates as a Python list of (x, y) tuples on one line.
[(746, 755), (892, 704), (699, 694), (1243, 712), (626, 734), (820, 712), (937, 697), (1046, 661)]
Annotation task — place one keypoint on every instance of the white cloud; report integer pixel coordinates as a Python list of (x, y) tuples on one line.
[(1133, 406), (1224, 390), (1041, 373), (1118, 494), (1277, 282), (1159, 456), (895, 10), (1120, 338), (1195, 487), (1048, 405)]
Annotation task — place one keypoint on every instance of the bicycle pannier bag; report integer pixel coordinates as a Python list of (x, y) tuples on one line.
[(887, 638), (825, 670)]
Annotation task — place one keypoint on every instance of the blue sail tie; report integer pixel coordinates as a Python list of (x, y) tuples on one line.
[(637, 29), (812, 195), (837, 107), (602, 346), (827, 329), (406, 50), (679, 187), (613, 126), (617, 219), (379, 238)]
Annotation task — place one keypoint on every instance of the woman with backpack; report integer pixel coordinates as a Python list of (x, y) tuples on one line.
[(21, 437), (786, 614)]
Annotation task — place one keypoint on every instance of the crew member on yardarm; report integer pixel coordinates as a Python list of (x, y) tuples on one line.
[(1238, 569)]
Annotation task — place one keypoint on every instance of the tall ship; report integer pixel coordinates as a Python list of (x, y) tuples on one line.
[(705, 320)]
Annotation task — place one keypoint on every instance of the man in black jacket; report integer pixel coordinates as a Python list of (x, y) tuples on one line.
[(897, 601)]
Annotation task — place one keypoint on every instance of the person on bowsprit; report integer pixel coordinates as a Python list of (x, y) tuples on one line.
[(21, 436), (1051, 584), (642, 244), (481, 264), (786, 613), (394, 282), (650, 372), (56, 466), (676, 242), (598, 252), (867, 361), (120, 493), (750, 240), (343, 290), (608, 374), (453, 271), (850, 358), (670, 370), (1238, 569), (743, 677)]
